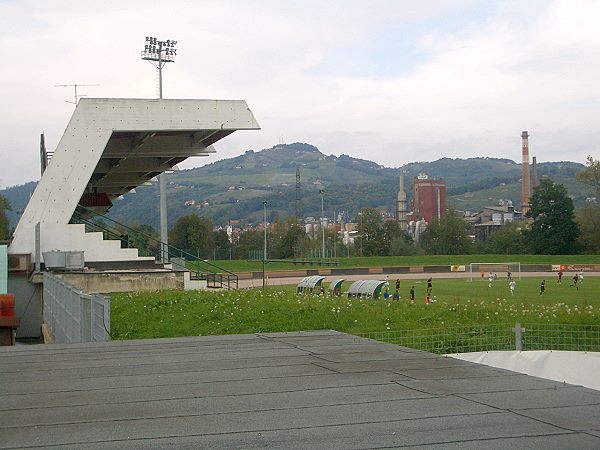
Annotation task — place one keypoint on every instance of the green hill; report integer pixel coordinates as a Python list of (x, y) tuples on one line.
[(235, 188)]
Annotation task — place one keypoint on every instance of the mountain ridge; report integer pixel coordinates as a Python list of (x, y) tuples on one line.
[(235, 188)]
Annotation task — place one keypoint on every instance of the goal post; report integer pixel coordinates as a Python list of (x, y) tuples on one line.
[(500, 269)]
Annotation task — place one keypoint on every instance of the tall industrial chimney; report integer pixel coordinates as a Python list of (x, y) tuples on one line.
[(402, 206), (535, 182), (525, 183)]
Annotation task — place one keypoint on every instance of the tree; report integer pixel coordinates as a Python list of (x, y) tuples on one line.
[(193, 234), (447, 236), (144, 238), (370, 231), (275, 234), (294, 238), (248, 241), (403, 246), (222, 244), (508, 240), (588, 219), (394, 241), (591, 174), (554, 230), (4, 223)]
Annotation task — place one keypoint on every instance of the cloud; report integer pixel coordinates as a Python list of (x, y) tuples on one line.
[(386, 81)]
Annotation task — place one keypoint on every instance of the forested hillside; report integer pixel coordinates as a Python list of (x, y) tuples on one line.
[(235, 188)]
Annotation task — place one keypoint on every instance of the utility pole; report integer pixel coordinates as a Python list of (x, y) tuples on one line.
[(335, 234), (264, 258), (298, 197), (361, 233), (322, 192), (159, 53)]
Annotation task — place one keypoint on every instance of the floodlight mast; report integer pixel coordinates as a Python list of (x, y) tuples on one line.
[(159, 53)]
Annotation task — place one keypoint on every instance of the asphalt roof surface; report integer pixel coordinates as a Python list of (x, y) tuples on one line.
[(319, 389)]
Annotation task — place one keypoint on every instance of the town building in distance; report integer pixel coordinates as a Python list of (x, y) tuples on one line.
[(429, 198)]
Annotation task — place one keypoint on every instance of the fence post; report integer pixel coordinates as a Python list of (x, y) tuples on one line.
[(518, 330)]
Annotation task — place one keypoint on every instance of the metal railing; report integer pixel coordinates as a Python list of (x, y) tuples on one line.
[(527, 336), (129, 237), (72, 315), (219, 280)]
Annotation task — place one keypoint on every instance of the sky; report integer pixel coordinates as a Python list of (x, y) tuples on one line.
[(392, 81)]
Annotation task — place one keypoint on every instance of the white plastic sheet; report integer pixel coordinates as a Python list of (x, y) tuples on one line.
[(580, 368)]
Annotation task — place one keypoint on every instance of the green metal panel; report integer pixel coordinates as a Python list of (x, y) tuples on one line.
[(3, 269)]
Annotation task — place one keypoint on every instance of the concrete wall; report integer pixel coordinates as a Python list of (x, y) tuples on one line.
[(107, 282)]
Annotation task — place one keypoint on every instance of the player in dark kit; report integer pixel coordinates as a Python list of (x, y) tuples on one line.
[(575, 280)]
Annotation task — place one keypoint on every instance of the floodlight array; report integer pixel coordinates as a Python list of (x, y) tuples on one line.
[(160, 51)]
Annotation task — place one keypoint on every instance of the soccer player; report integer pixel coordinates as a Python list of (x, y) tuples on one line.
[(412, 295), (575, 280), (542, 287), (512, 285)]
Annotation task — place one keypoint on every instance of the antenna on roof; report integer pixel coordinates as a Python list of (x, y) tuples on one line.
[(75, 86)]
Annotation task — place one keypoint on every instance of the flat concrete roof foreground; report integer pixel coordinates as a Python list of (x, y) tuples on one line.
[(292, 390)]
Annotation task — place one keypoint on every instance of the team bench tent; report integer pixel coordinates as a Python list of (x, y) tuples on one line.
[(366, 288), (335, 287), (309, 283)]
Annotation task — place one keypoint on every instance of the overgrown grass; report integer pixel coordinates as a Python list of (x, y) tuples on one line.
[(457, 303), (426, 260)]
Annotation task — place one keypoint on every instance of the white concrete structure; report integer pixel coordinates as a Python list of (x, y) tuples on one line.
[(109, 147), (579, 368)]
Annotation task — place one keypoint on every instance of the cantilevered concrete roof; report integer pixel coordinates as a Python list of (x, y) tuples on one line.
[(111, 146), (293, 390)]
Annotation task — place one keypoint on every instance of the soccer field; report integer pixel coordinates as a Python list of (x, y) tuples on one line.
[(456, 302), (527, 290)]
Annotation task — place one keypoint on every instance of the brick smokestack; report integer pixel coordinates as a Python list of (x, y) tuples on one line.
[(525, 183)]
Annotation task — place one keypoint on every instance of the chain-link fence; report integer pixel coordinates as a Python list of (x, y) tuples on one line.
[(529, 336), (72, 315), (541, 336)]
